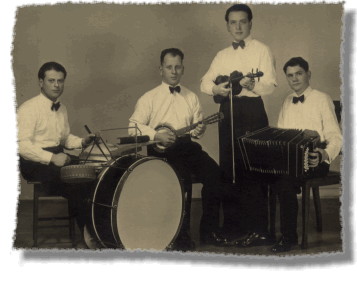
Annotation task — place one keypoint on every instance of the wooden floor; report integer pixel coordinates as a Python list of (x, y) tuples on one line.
[(327, 241)]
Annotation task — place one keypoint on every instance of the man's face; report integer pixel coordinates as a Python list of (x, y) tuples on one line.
[(53, 84), (171, 70), (298, 78), (238, 25)]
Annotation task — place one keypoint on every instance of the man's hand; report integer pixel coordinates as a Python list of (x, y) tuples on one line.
[(60, 159), (248, 82), (314, 159), (221, 89), (200, 129), (167, 138), (88, 139)]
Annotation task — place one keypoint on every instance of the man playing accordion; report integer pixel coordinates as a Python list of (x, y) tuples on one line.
[(310, 109)]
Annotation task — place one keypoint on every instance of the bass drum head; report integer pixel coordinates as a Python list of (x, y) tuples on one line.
[(150, 206)]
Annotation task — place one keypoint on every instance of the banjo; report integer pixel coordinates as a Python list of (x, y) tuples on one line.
[(159, 147)]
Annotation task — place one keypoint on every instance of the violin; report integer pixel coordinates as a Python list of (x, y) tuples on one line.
[(234, 80)]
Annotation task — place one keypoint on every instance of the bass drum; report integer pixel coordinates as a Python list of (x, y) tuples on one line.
[(138, 203)]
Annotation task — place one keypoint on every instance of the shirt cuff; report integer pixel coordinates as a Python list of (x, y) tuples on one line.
[(329, 152), (46, 157)]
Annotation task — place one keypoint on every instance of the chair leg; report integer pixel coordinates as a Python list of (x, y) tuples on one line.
[(272, 212), (36, 191), (305, 214), (317, 203), (71, 223)]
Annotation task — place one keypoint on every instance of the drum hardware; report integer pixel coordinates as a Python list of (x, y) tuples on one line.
[(119, 246), (115, 207), (136, 135), (96, 143)]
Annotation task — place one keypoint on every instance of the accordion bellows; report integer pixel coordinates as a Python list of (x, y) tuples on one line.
[(277, 151)]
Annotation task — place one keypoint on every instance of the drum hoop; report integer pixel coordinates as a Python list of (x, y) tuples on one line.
[(100, 178), (121, 184)]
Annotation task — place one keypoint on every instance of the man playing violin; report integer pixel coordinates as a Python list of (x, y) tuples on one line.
[(43, 132), (249, 114), (172, 104)]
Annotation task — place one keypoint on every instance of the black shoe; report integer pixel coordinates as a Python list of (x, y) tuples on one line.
[(214, 238), (255, 239), (284, 244), (233, 234)]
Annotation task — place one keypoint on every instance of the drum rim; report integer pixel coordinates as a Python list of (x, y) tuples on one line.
[(121, 184), (100, 178)]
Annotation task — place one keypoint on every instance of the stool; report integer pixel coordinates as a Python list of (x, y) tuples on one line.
[(37, 190)]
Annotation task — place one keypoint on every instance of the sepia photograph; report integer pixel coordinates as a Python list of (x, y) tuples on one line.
[(180, 129)]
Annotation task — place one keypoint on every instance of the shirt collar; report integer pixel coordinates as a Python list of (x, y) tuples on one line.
[(306, 92), (46, 99), (246, 40)]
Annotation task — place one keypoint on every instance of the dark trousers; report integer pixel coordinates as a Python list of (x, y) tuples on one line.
[(188, 159), (248, 115), (50, 177), (254, 202), (286, 190)]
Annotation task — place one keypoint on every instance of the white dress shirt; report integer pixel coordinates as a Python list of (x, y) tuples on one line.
[(316, 113), (159, 106), (40, 127), (255, 55)]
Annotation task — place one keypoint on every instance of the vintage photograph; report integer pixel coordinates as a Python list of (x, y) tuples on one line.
[(191, 128)]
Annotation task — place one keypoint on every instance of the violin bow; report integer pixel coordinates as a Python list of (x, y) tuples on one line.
[(252, 75), (232, 131)]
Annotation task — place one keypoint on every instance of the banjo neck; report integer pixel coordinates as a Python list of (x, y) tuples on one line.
[(184, 130)]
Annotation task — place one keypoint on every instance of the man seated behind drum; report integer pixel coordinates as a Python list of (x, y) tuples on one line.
[(172, 104), (311, 109), (43, 132)]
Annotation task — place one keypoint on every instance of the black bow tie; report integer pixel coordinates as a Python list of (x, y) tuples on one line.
[(177, 89), (55, 106), (298, 99), (236, 45)]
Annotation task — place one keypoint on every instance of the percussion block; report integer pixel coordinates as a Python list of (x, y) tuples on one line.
[(78, 174)]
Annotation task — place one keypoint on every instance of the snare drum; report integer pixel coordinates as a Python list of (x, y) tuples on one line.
[(138, 203)]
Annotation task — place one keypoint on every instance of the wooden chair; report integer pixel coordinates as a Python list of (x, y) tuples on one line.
[(333, 177), (39, 191)]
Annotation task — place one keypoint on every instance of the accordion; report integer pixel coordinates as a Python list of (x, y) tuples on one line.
[(277, 151)]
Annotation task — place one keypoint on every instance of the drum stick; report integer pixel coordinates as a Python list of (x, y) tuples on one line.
[(95, 141)]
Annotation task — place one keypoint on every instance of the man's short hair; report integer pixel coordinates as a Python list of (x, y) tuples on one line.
[(51, 66), (238, 8), (173, 51), (297, 61)]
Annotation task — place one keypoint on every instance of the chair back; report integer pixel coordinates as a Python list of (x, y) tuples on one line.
[(338, 109)]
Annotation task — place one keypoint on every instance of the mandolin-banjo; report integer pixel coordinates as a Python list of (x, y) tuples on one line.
[(159, 147)]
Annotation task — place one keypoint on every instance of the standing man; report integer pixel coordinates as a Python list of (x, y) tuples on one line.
[(172, 104), (43, 132), (311, 109), (249, 115)]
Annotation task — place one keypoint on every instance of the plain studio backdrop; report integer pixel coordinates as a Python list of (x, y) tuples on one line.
[(111, 53)]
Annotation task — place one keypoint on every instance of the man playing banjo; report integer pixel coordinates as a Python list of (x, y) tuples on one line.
[(172, 104)]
